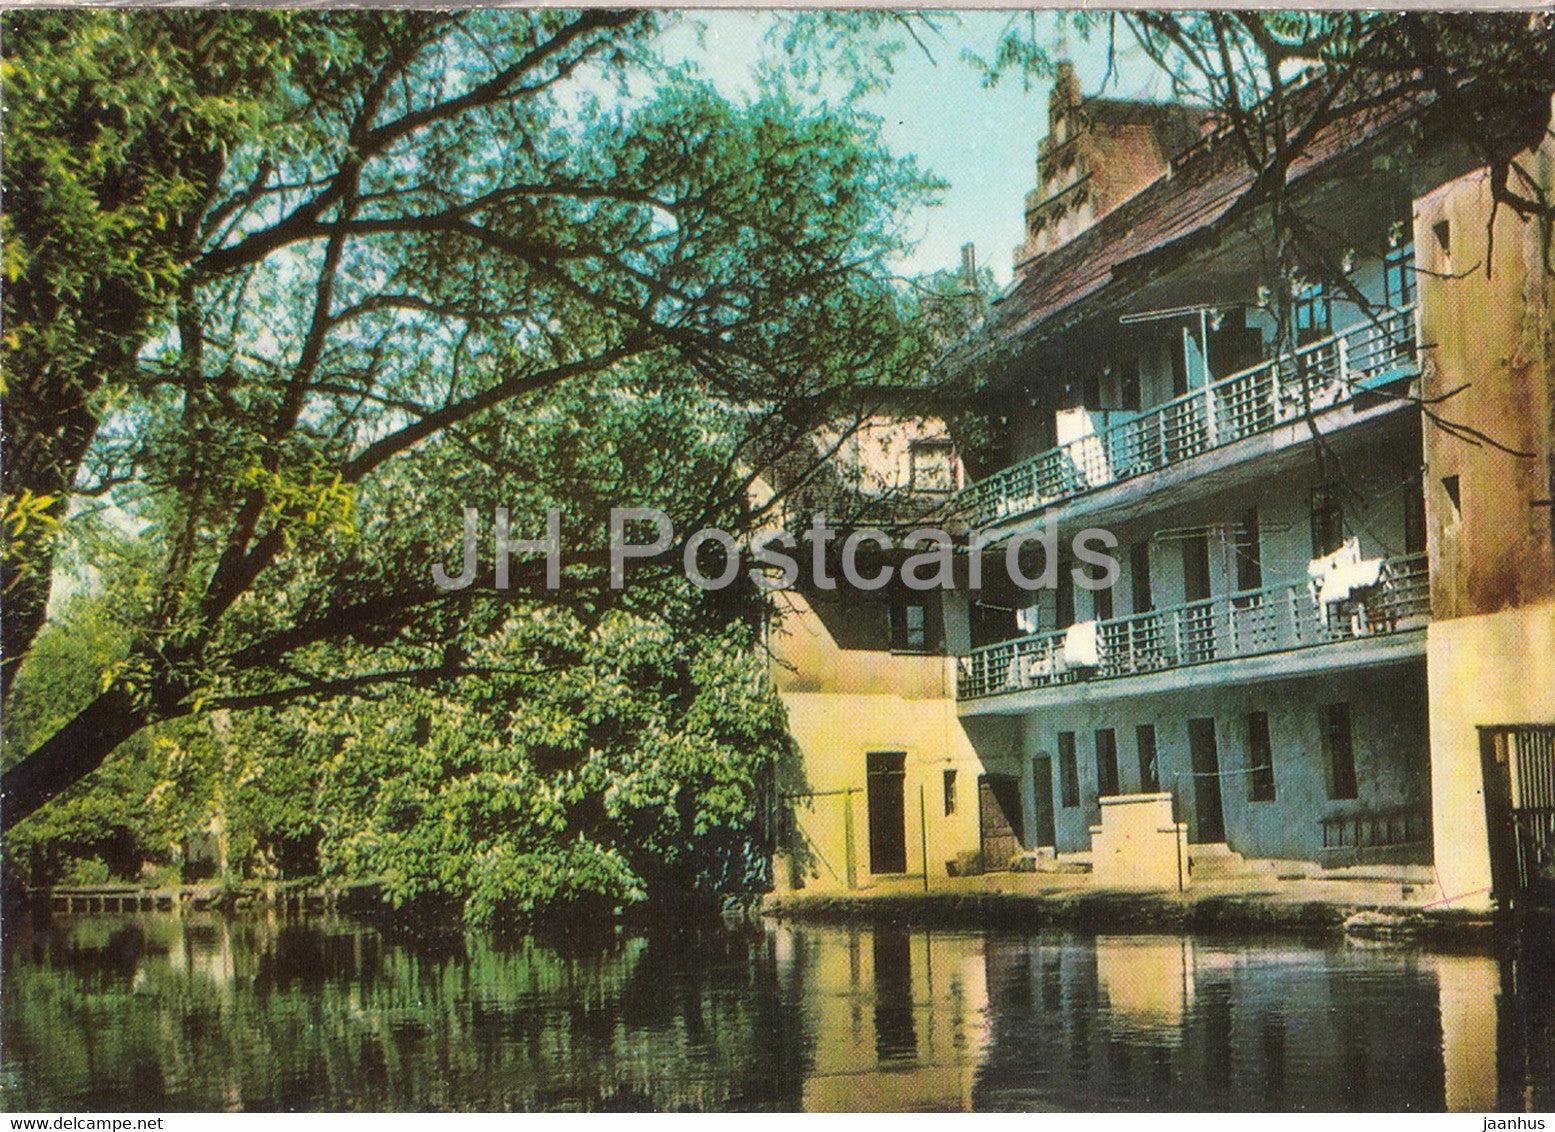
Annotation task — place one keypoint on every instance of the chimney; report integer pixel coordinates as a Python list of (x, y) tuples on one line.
[(974, 297)]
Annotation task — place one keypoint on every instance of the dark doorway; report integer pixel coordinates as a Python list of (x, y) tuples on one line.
[(1042, 780), (886, 774), (1234, 347), (1210, 818), (1139, 577), (999, 819), (1149, 769), (1195, 567), (1179, 360), (1107, 763), (1519, 768), (1198, 623)]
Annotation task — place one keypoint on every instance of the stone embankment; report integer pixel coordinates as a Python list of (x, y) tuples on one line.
[(1365, 908)]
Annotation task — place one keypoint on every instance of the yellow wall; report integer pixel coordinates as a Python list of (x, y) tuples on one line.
[(847, 695), (807, 656), (1483, 671), (834, 733), (875, 456), (1489, 364)]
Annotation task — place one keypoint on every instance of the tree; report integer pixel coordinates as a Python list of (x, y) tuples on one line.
[(116, 130), (99, 825), (637, 766), (1278, 82), (393, 264)]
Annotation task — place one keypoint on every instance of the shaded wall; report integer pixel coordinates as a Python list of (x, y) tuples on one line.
[(1388, 719)]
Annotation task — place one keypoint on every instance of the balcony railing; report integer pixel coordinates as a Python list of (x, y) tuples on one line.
[(1316, 377), (1272, 619)]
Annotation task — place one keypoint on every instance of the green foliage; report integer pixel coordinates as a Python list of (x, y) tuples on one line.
[(98, 827), (637, 765), (375, 267)]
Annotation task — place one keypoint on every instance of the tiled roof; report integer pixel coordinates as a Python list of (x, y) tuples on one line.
[(1203, 185)]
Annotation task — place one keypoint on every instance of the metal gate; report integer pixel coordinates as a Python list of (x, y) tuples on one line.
[(1519, 768)]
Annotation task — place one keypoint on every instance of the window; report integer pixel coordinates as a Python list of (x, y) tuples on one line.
[(950, 792), (1327, 522), (1454, 498), (1139, 577), (1398, 275), (1068, 770), (1149, 770), (909, 627), (932, 466), (1310, 314), (1260, 759), (1249, 561), (1338, 751), (1106, 763)]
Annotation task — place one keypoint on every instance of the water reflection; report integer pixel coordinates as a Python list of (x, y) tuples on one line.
[(1179, 1023), (893, 1020), (158, 1012)]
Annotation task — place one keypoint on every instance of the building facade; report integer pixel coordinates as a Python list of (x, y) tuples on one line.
[(1491, 538), (1327, 596), (888, 779)]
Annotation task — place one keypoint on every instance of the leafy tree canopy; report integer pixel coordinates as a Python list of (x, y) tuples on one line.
[(302, 286)]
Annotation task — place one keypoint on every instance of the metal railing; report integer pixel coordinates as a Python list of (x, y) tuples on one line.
[(1275, 392), (1249, 623), (1376, 829)]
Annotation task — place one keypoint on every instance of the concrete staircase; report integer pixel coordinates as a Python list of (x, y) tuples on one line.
[(1215, 861)]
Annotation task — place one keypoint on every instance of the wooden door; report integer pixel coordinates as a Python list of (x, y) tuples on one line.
[(885, 777), (1042, 779), (1210, 819)]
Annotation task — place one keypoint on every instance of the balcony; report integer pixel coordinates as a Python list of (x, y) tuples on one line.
[(1316, 377), (1273, 619)]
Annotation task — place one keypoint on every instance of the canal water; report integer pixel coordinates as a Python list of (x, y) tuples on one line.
[(168, 1013)]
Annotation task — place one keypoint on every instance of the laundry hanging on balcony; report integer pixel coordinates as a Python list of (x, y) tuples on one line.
[(1082, 645), (1343, 574), (1353, 580), (1076, 434)]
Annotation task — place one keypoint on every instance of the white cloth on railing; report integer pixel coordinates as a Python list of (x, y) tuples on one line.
[(1076, 435), (1351, 579), (1014, 675), (1082, 645), (1028, 670), (1343, 574), (1320, 568)]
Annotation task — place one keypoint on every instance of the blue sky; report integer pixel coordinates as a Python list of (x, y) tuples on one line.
[(982, 141)]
